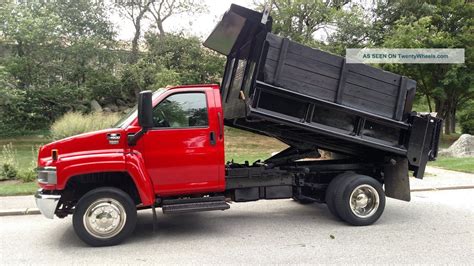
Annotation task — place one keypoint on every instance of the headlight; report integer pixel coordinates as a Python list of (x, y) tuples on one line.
[(47, 175)]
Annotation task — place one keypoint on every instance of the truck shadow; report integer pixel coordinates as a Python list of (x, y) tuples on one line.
[(191, 225), (201, 224), (240, 221)]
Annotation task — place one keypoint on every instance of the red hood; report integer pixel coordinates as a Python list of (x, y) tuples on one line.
[(87, 143)]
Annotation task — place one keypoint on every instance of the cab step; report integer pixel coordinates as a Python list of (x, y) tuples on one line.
[(194, 205)]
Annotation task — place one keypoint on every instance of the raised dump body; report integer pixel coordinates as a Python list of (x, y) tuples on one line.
[(309, 98)]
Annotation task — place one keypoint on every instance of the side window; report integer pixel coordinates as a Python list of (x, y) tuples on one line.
[(181, 110)]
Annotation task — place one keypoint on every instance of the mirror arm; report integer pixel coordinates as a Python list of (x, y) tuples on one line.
[(145, 116), (132, 139)]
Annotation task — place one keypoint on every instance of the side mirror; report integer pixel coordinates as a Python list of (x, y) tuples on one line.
[(145, 116), (145, 109)]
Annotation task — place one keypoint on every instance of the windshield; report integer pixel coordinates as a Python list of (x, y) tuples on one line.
[(130, 116)]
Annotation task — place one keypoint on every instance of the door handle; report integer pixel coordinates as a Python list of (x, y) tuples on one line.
[(221, 130), (212, 138)]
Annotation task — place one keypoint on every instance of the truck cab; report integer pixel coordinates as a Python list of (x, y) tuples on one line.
[(182, 153)]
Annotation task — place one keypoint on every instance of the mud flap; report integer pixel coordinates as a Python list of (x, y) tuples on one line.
[(397, 184)]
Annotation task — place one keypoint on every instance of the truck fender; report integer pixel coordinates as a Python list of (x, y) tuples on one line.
[(87, 164), (136, 168), (111, 162)]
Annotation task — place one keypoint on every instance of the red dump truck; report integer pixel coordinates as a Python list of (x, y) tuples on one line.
[(169, 152)]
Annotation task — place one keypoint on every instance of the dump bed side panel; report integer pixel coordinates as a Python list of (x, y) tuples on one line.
[(320, 74)]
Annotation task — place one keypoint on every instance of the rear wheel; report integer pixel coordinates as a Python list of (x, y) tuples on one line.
[(104, 217), (331, 192), (359, 200)]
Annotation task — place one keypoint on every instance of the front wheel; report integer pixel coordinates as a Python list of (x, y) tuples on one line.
[(359, 200), (104, 217)]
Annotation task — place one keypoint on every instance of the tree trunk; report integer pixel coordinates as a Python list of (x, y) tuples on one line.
[(447, 125), (138, 30), (19, 48), (134, 54), (22, 83), (442, 109), (136, 38), (429, 103), (453, 121), (82, 78), (161, 30)]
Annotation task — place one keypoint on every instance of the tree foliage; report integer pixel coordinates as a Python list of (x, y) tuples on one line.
[(299, 20), (354, 30), (447, 87), (57, 57), (56, 49), (135, 11), (174, 60), (466, 118)]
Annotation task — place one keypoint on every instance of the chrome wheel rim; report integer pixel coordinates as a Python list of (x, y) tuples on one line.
[(105, 218), (364, 201)]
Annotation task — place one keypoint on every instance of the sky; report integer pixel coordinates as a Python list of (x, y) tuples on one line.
[(199, 25)]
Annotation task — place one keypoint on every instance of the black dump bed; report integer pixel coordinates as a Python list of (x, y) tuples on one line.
[(308, 98)]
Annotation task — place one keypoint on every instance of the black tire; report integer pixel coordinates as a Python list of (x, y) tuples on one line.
[(331, 192), (374, 196), (119, 203)]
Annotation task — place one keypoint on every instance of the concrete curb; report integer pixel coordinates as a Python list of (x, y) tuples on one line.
[(22, 211), (441, 188)]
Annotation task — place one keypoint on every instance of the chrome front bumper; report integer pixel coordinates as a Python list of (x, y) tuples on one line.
[(46, 203)]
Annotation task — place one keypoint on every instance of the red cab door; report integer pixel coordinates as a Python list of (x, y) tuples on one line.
[(184, 151)]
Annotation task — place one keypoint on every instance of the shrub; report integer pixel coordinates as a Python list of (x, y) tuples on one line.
[(9, 166), (76, 123), (36, 107), (29, 174), (26, 175), (466, 120), (8, 171)]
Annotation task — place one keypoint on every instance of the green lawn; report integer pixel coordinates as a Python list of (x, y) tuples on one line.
[(242, 146), (455, 164), (25, 148), (13, 188)]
